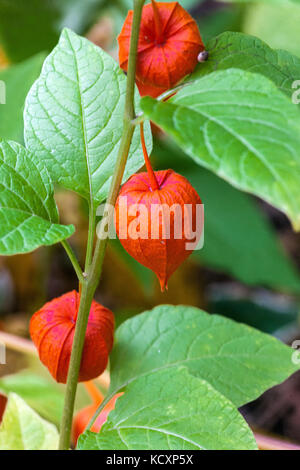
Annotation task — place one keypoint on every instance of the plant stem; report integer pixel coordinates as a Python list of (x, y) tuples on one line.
[(73, 259), (108, 397), (91, 280), (91, 237)]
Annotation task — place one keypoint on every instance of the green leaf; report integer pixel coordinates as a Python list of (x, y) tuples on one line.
[(28, 213), (45, 397), (170, 409), (74, 117), (17, 79), (237, 50), (23, 429), (237, 234), (28, 27), (238, 125), (238, 361)]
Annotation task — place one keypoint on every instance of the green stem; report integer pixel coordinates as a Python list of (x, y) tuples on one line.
[(91, 237), (91, 280), (73, 259), (140, 118), (78, 342), (108, 397)]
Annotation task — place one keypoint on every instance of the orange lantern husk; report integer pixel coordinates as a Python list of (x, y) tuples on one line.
[(52, 330), (168, 48), (157, 233)]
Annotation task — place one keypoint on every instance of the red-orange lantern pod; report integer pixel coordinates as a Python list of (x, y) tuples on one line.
[(168, 48), (158, 216), (52, 331), (148, 90)]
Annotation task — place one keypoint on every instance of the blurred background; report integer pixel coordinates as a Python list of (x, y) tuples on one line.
[(249, 268)]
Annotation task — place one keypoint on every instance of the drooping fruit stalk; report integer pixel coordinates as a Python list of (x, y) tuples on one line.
[(93, 391), (151, 174)]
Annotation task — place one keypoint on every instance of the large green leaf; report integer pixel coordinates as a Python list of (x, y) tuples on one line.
[(237, 234), (30, 26), (73, 117), (23, 429), (240, 126), (238, 361), (18, 79), (170, 409), (237, 50), (28, 213)]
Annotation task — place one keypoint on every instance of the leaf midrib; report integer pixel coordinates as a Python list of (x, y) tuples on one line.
[(83, 120)]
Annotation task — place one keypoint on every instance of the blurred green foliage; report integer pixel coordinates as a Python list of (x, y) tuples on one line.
[(225, 17), (45, 396), (277, 24), (31, 26), (252, 313), (18, 80)]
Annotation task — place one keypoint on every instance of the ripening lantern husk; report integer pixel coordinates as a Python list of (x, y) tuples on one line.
[(52, 331), (162, 255), (166, 53)]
